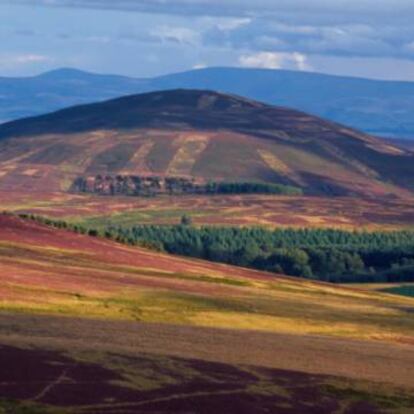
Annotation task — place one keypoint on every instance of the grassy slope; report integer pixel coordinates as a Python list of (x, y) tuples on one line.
[(83, 297), (79, 275)]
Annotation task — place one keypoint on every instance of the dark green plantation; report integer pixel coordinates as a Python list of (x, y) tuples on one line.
[(322, 254)]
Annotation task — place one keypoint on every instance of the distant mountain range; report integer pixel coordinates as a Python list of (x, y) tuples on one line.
[(202, 135), (51, 91), (384, 108)]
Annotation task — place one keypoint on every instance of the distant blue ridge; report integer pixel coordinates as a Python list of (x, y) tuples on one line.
[(384, 108)]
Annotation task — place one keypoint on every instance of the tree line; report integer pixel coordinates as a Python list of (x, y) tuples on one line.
[(149, 186)]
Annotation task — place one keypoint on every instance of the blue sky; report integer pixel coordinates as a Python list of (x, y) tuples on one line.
[(151, 37)]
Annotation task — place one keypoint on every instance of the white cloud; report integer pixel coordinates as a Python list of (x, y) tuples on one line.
[(291, 34), (229, 24), (200, 66), (300, 61), (182, 35), (274, 60), (380, 28), (25, 59)]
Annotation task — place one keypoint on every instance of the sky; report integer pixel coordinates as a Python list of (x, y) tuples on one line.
[(146, 38)]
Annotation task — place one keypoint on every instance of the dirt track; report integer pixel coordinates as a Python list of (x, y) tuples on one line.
[(389, 363)]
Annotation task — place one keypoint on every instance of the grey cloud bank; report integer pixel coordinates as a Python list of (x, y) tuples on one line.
[(150, 37), (341, 8)]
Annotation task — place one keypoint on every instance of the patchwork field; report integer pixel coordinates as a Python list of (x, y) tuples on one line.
[(267, 210), (153, 333)]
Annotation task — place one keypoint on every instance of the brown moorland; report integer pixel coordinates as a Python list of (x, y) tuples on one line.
[(238, 210)]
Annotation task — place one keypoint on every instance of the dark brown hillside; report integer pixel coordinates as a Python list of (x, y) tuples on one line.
[(181, 109), (203, 135)]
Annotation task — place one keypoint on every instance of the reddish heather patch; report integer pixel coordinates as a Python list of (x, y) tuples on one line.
[(287, 220), (82, 264), (20, 231)]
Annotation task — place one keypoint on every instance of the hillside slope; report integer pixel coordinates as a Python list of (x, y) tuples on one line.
[(201, 135), (150, 333), (60, 272), (374, 106)]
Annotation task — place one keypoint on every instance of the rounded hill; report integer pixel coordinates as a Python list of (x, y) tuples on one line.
[(202, 135)]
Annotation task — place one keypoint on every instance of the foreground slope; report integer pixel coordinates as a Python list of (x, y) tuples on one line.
[(73, 308), (199, 135)]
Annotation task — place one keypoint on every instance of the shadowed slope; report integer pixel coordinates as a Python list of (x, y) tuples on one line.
[(86, 379), (182, 109)]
